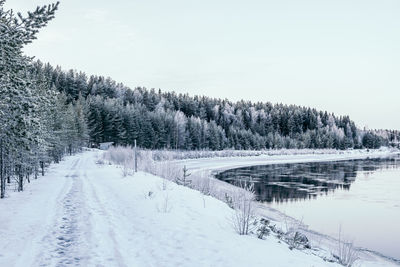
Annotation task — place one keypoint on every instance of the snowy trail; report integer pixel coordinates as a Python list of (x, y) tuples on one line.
[(85, 214), (103, 228), (27, 217), (82, 232), (58, 221), (64, 245)]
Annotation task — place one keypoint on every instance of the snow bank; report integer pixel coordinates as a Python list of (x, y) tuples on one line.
[(172, 225)]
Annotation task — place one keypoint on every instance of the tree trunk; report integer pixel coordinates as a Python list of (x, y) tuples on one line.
[(2, 178), (42, 167), (20, 178), (35, 169)]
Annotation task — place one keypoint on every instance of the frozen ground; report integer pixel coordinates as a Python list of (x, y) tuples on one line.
[(84, 214)]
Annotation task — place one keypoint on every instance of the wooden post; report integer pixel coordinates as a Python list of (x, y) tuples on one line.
[(135, 157)]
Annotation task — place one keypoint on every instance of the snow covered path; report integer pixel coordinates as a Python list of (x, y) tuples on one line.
[(84, 214), (56, 221), (82, 232)]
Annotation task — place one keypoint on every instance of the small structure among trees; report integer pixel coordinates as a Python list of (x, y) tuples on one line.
[(105, 145)]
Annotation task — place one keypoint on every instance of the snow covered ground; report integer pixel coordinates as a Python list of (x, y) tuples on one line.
[(85, 214)]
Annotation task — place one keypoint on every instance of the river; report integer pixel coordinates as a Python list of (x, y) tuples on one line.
[(360, 197)]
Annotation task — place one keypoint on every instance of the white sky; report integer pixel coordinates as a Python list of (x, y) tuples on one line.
[(339, 55)]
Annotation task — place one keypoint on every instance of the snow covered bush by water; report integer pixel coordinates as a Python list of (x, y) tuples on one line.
[(347, 253), (243, 204)]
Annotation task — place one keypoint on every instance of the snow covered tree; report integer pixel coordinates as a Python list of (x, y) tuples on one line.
[(21, 100), (180, 121)]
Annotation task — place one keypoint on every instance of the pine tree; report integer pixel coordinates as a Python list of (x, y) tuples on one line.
[(20, 102)]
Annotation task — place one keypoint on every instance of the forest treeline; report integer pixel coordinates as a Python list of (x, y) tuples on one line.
[(157, 120), (46, 112)]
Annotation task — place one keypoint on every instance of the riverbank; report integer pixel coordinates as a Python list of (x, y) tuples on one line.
[(318, 240)]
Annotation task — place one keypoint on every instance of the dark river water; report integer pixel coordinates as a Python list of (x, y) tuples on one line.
[(362, 197)]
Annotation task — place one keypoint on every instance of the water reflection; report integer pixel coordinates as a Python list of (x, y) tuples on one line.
[(299, 181)]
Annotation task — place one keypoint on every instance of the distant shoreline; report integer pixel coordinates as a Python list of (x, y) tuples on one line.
[(219, 164)]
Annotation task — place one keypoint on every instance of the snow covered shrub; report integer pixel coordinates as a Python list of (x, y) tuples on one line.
[(128, 168), (201, 181), (278, 231), (167, 170), (229, 200), (160, 155), (146, 162), (347, 253), (263, 229), (297, 240), (123, 156), (294, 236), (243, 203), (119, 155)]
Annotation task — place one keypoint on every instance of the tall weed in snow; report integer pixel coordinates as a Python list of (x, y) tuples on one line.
[(123, 156), (128, 168), (347, 253), (119, 155), (165, 206), (203, 182), (243, 204)]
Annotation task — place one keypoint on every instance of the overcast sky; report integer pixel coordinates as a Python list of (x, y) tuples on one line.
[(339, 55)]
